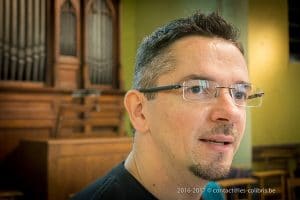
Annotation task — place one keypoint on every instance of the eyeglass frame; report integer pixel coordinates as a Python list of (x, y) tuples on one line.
[(178, 86)]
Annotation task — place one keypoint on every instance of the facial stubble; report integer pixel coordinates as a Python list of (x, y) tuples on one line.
[(212, 170)]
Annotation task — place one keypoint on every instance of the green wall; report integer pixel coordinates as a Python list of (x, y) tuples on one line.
[(277, 122), (128, 40), (140, 17)]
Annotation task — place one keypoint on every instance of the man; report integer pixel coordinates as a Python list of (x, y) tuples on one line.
[(188, 109)]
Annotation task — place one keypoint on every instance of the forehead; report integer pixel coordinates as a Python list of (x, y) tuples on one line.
[(213, 58)]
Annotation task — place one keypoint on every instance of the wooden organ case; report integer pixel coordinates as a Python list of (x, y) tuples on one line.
[(50, 50)]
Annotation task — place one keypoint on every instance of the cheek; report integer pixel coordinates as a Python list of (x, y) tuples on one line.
[(169, 129), (162, 118), (173, 120), (176, 123), (185, 119), (185, 124)]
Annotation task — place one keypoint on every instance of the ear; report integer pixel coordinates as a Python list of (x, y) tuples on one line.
[(134, 102)]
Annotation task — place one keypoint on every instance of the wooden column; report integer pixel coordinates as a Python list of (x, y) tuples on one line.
[(67, 67)]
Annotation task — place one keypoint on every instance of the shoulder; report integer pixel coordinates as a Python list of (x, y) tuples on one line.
[(118, 184), (108, 187)]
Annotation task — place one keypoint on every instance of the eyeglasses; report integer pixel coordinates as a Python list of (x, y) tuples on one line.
[(243, 94)]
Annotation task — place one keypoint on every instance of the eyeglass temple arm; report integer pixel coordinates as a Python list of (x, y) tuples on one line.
[(256, 95), (160, 88)]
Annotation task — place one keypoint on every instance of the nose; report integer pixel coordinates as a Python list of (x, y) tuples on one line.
[(224, 108)]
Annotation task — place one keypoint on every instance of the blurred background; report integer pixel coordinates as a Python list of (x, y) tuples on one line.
[(65, 66)]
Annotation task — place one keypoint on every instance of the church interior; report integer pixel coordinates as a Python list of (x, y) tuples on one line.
[(65, 66)]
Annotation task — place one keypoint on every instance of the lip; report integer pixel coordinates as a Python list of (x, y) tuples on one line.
[(220, 143)]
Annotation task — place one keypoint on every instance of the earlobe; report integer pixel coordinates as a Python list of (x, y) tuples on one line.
[(134, 102)]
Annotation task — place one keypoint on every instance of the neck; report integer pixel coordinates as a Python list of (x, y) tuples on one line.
[(163, 179)]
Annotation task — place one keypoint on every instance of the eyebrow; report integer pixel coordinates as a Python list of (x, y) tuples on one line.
[(243, 82), (195, 77), (201, 77)]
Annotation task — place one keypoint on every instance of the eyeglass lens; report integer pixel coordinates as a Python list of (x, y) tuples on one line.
[(205, 90)]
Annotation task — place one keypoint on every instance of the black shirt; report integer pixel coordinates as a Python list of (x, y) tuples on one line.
[(118, 184)]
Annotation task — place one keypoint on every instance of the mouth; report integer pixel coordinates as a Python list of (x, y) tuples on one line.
[(218, 142), (215, 142)]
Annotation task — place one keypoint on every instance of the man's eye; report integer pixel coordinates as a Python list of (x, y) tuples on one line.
[(240, 95), (196, 89)]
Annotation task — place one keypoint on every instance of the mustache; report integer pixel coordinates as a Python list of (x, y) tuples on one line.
[(224, 128)]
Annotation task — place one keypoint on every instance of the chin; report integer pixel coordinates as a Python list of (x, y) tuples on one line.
[(210, 172), (213, 168)]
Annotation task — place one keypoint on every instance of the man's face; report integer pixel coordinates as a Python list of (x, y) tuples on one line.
[(192, 135)]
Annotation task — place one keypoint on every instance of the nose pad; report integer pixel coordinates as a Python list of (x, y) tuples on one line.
[(217, 93), (225, 92)]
